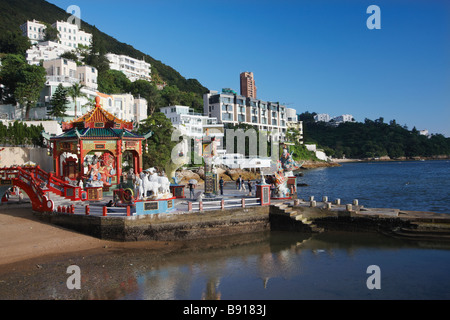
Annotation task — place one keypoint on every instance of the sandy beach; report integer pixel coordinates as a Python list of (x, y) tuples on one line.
[(24, 240)]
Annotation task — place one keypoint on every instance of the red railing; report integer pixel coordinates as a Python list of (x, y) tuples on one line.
[(37, 184)]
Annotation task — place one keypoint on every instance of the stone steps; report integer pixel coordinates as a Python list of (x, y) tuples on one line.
[(289, 210)]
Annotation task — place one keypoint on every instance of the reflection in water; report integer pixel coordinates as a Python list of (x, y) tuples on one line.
[(283, 265), (289, 266)]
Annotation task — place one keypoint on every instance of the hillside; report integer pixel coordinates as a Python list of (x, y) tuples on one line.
[(13, 13), (373, 139)]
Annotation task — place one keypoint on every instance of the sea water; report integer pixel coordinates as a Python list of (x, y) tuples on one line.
[(291, 266), (405, 185)]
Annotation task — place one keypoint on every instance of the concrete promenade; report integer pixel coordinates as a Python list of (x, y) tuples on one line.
[(302, 215)]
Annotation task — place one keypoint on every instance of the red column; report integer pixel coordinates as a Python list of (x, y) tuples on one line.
[(119, 160)]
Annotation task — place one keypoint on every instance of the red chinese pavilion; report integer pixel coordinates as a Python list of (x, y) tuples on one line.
[(92, 147)]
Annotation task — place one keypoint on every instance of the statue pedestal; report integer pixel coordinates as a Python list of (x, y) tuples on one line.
[(263, 193), (292, 186), (145, 207), (177, 191)]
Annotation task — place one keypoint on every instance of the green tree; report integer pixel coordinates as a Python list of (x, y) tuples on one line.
[(160, 144), (113, 82), (14, 43), (31, 82), (10, 75), (75, 92), (51, 33), (59, 102)]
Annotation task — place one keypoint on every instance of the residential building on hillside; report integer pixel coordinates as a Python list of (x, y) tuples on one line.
[(248, 87), (293, 122), (343, 118), (34, 30), (63, 70), (44, 51), (230, 108), (134, 69), (322, 117), (69, 34), (195, 125)]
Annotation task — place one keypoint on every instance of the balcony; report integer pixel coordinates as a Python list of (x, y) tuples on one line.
[(62, 79)]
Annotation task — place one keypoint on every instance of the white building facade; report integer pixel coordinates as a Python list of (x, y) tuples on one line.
[(134, 69), (230, 108), (69, 34), (195, 126), (44, 51), (293, 122), (63, 70), (34, 30), (322, 117)]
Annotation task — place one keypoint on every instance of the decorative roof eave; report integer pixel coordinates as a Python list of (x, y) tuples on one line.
[(148, 135), (90, 117)]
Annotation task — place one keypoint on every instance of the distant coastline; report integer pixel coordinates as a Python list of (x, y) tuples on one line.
[(440, 157), (338, 162)]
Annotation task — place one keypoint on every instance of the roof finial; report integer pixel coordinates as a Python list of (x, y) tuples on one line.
[(97, 101)]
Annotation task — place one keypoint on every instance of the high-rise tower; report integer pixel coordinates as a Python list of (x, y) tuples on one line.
[(248, 88)]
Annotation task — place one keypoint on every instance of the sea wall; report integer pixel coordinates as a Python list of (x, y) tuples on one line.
[(165, 227), (278, 217)]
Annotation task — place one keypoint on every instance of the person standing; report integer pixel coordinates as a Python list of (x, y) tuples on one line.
[(243, 185), (221, 182), (191, 190), (249, 183)]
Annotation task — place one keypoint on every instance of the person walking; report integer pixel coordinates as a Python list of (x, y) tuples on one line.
[(221, 182)]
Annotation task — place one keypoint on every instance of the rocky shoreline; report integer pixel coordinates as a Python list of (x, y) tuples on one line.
[(229, 175)]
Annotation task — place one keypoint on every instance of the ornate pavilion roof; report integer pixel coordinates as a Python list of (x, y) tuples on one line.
[(98, 124), (97, 118)]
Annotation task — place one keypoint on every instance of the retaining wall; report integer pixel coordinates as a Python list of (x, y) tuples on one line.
[(165, 227)]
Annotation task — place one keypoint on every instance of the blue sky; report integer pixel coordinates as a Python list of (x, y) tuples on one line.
[(315, 55)]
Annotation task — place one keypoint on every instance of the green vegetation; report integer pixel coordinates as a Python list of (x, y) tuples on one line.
[(160, 144), (372, 139), (59, 102), (22, 82), (19, 134)]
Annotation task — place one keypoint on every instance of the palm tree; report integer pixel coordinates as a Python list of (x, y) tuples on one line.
[(75, 92)]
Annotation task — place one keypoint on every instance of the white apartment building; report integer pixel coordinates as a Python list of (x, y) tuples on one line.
[(124, 106), (343, 118), (196, 124), (44, 51), (322, 117), (134, 69), (34, 30), (231, 108), (293, 122), (66, 72), (63, 70), (69, 34)]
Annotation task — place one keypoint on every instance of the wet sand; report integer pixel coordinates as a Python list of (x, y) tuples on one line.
[(24, 239)]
